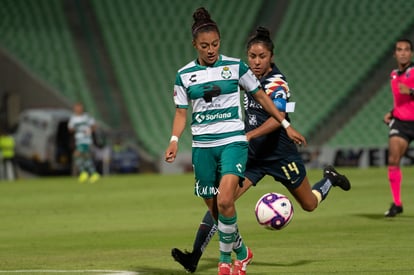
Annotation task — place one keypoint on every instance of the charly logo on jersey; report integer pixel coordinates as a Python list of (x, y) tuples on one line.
[(226, 73), (193, 78)]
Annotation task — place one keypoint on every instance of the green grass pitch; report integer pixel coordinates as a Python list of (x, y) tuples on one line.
[(130, 223)]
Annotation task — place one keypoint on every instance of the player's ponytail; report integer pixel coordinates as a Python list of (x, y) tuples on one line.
[(262, 35), (203, 22)]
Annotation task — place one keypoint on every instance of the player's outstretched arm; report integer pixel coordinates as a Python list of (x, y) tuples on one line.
[(267, 127), (269, 107)]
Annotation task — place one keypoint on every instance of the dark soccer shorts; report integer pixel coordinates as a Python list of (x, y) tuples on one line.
[(289, 171), (401, 128)]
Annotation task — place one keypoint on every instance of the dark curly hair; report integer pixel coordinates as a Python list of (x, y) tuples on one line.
[(203, 22)]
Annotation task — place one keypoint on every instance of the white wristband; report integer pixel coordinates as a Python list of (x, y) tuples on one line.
[(285, 123), (174, 138)]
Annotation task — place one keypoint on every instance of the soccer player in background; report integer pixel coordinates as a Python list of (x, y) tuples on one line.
[(400, 119), (271, 152), (82, 126), (219, 149)]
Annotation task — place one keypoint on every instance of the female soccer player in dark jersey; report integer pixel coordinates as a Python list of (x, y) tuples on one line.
[(400, 119), (271, 151)]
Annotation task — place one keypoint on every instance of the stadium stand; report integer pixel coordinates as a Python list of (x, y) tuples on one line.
[(149, 41), (36, 33), (366, 127), (326, 48)]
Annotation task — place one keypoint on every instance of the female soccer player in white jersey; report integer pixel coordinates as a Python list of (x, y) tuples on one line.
[(271, 152), (211, 83)]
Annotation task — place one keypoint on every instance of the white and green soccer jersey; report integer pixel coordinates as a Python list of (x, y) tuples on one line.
[(214, 93), (82, 126)]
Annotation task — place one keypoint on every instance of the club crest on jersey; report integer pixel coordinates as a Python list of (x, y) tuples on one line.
[(252, 120), (226, 73)]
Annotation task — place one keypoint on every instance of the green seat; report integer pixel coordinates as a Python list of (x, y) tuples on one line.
[(325, 48), (36, 33)]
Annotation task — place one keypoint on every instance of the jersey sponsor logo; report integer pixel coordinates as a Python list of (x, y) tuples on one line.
[(250, 103), (215, 115), (211, 91), (226, 73), (211, 117), (254, 105), (200, 118)]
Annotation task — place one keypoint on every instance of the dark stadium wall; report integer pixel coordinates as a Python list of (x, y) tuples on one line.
[(23, 90), (94, 58)]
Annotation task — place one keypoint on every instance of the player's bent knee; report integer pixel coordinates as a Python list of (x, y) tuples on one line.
[(224, 205), (309, 206)]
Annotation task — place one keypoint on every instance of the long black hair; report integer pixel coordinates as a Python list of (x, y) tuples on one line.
[(262, 35)]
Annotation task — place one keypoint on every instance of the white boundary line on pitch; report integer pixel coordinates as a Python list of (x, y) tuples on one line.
[(101, 272)]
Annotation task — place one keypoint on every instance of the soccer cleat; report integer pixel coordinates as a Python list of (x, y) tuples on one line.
[(224, 269), (240, 266), (336, 178), (83, 177), (94, 178), (188, 260), (393, 211)]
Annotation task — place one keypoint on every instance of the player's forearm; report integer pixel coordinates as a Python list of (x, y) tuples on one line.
[(179, 122), (267, 127)]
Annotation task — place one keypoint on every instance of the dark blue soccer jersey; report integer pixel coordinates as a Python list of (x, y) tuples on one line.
[(275, 145)]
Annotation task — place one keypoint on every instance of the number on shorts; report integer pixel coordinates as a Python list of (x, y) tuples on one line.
[(291, 167)]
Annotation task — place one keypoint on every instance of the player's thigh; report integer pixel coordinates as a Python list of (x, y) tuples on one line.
[(290, 171), (206, 172), (255, 171), (304, 195), (247, 183), (233, 159), (397, 146)]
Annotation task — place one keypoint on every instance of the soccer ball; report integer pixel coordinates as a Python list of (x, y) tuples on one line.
[(274, 211)]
